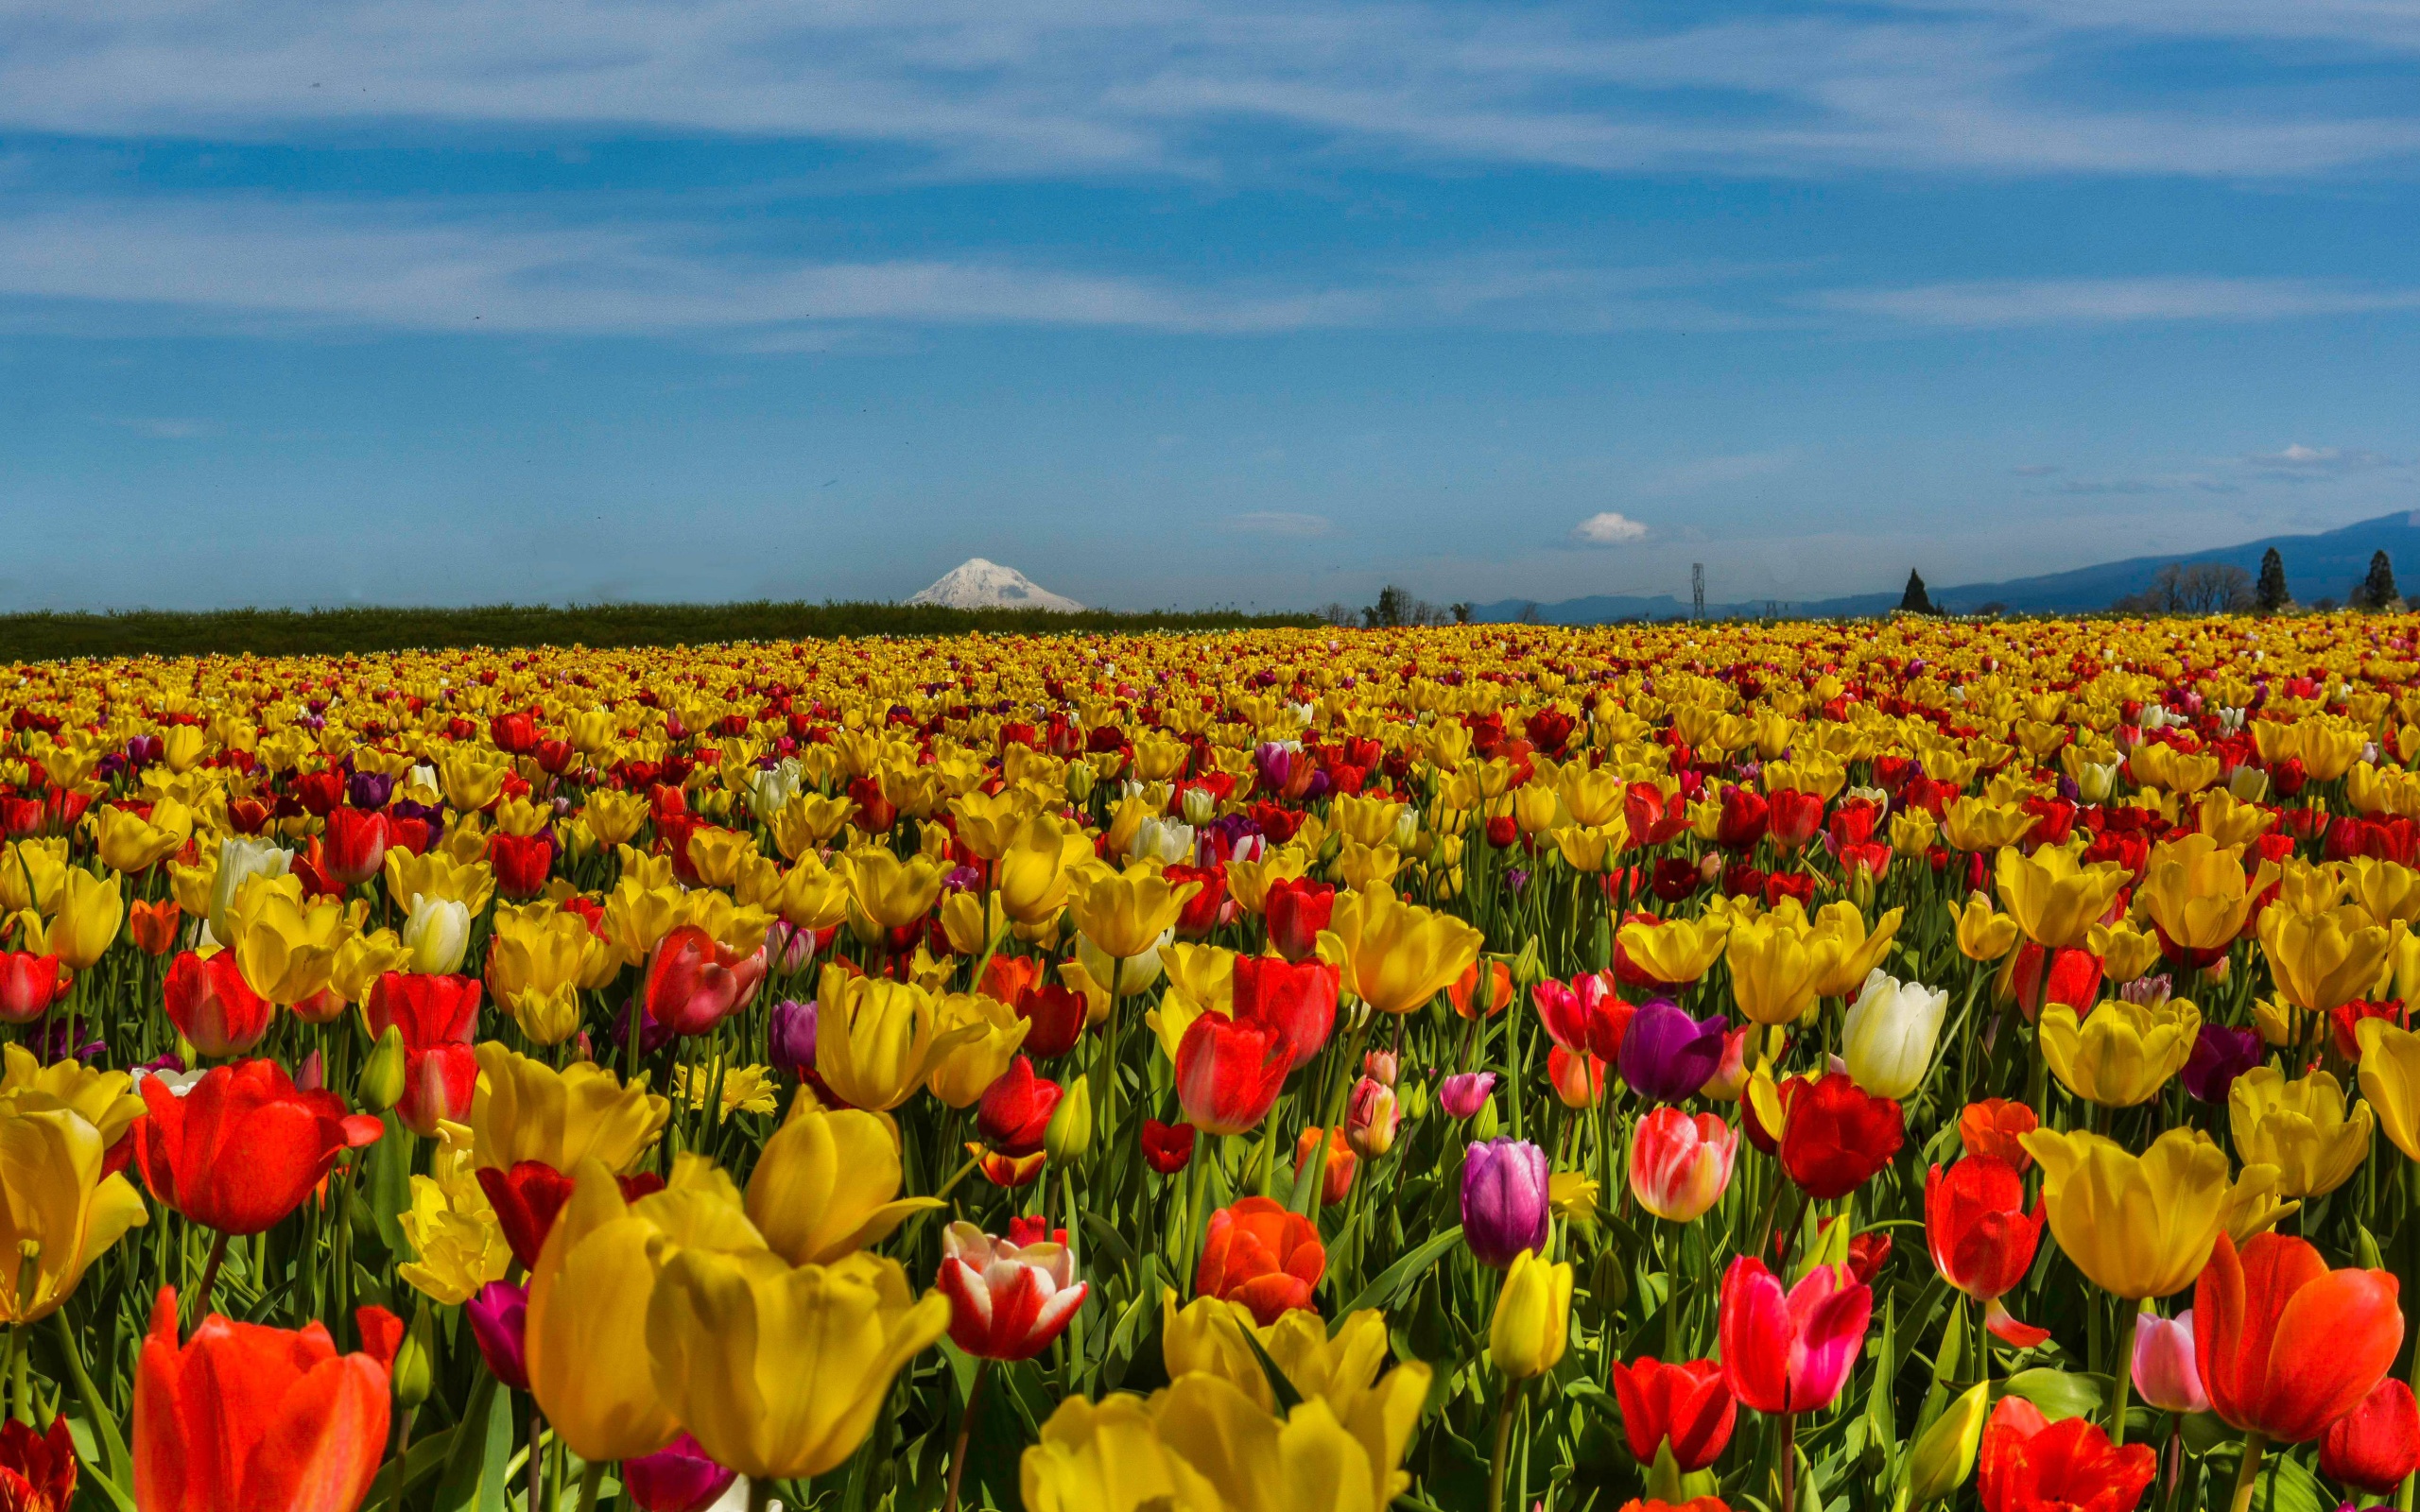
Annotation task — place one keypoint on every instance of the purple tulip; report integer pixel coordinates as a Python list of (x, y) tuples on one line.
[(653, 1035), (791, 1031), (677, 1478), (1504, 1200), (499, 1317), (1667, 1056), (1462, 1096), (369, 791), (2219, 1056), (1275, 763)]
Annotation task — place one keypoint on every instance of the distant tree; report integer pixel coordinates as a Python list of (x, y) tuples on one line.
[(1341, 613), (1396, 608), (2270, 595), (1462, 613), (1995, 607), (1529, 614), (1915, 601), (2324, 605), (2195, 588), (2376, 589)]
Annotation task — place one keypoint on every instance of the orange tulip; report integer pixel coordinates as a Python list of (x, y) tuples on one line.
[(2287, 1346)]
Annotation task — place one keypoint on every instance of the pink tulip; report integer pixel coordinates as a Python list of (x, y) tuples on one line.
[(1679, 1164), (1790, 1353), (2166, 1375), (1462, 1096)]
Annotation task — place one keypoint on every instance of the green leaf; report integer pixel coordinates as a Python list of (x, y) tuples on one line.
[(423, 1460), (2059, 1393), (484, 1435), (1383, 1292), (1288, 1398)]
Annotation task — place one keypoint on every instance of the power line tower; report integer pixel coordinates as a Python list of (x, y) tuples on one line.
[(1697, 589)]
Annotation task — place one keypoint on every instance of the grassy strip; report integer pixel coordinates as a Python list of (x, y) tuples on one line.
[(46, 636)]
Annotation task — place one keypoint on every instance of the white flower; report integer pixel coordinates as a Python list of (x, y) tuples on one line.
[(1888, 1035), (240, 860), (437, 933)]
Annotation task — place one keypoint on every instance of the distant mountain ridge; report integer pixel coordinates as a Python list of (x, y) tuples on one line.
[(2325, 565)]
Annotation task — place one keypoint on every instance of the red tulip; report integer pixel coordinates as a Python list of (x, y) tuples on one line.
[(438, 1016), (1837, 1135), (521, 864), (354, 847), (1792, 818), (211, 1005), (29, 984), (1745, 816), (1790, 1351), (2030, 1465), (2376, 1444), (1974, 1221), (1296, 1000), (1016, 1109), (530, 1197), (1298, 908), (37, 1470), (244, 1145), (1229, 1071), (2040, 977), (1689, 1405), (245, 1418), (1057, 1014), (1167, 1148), (1007, 1299), (515, 733), (2287, 1346), (694, 981), (1260, 1255), (1202, 911)]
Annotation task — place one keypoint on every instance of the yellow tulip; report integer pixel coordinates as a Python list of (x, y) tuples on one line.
[(285, 948), (2054, 899), (1033, 875), (2324, 960), (889, 892), (2390, 893), (1532, 1322), (2196, 891), (988, 823), (877, 1040), (969, 1068), (2305, 888), (2124, 1053), (437, 875), (613, 816), (533, 970), (2298, 1126), (1913, 833), (2391, 1080), (363, 958), (1862, 950), (2126, 953), (1370, 820), (969, 925), (1248, 882), (32, 874), (809, 896), (458, 1245), (779, 1370), (1125, 913), (2136, 1226), (101, 1098), (588, 1296), (1398, 955), (1209, 1335), (90, 912), (129, 842), (470, 785), (809, 822), (2230, 822), (717, 855), (1982, 934), (526, 1110), (182, 747), (59, 1209), (1777, 960), (1979, 824), (1584, 850), (827, 1185), (2253, 1207)]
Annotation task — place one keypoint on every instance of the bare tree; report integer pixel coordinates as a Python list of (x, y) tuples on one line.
[(2193, 588)]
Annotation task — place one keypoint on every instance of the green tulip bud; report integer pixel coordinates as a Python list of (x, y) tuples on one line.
[(1069, 1135), (381, 1084), (1484, 1122), (1944, 1454), (415, 1370)]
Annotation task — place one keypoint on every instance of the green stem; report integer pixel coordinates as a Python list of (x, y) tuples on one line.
[(966, 1428), (1503, 1444), (592, 1477), (2247, 1475)]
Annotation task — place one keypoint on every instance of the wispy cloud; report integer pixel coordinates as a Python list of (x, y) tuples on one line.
[(1182, 86), (1994, 303), (1608, 529), (2298, 463), (2167, 483), (167, 429)]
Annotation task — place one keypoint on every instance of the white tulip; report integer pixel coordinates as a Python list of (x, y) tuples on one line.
[(1889, 1036)]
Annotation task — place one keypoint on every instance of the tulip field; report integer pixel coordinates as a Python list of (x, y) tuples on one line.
[(1788, 1067)]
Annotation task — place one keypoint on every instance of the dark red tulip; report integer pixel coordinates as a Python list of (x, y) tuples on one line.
[(1167, 1148), (1298, 908), (1837, 1135), (1688, 1404), (2376, 1444), (354, 847), (1016, 1109), (522, 863)]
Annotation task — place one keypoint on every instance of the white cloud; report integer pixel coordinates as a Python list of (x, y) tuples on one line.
[(1281, 523), (1608, 529), (1187, 88), (2315, 464), (1996, 304)]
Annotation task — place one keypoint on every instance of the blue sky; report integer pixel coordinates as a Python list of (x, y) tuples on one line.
[(1168, 303)]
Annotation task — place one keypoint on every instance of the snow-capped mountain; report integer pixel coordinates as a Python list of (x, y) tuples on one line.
[(979, 584)]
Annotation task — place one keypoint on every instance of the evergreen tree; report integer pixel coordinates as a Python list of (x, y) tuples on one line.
[(1914, 601), (2270, 594), (2377, 589)]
